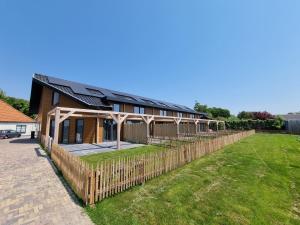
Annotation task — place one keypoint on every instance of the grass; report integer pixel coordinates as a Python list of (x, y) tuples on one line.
[(95, 158), (255, 181)]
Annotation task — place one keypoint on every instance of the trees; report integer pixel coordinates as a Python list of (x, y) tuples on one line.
[(255, 115), (20, 104), (245, 115), (212, 112)]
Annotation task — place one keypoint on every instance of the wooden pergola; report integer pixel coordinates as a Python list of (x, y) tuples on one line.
[(62, 113)]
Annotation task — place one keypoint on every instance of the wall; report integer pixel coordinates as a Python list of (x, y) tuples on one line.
[(65, 101), (293, 126), (12, 126)]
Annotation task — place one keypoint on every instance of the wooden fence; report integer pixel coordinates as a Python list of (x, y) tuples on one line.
[(74, 170), (114, 176), (165, 130), (136, 133)]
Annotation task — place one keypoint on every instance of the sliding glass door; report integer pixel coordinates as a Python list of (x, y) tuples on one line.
[(110, 130), (65, 131), (79, 131)]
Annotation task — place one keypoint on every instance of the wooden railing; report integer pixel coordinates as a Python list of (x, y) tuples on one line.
[(116, 175)]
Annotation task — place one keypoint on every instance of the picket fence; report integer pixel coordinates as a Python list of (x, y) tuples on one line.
[(92, 184)]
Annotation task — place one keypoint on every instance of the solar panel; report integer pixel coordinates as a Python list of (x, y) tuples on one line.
[(88, 90)]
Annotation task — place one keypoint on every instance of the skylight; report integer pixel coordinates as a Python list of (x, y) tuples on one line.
[(94, 91), (124, 97)]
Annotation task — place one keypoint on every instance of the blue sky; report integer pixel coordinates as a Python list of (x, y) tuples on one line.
[(241, 55)]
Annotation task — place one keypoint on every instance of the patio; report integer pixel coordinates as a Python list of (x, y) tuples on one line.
[(88, 149)]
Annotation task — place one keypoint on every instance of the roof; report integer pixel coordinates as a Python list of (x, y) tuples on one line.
[(10, 114), (291, 116), (98, 97)]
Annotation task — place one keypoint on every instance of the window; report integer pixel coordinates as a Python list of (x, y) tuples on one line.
[(179, 114), (192, 116), (139, 110), (163, 113), (116, 107), (55, 98), (21, 129)]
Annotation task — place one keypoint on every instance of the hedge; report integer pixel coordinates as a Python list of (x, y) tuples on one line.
[(271, 124)]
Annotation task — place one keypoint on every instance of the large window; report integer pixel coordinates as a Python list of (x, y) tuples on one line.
[(163, 113), (21, 129), (139, 110), (116, 107), (55, 98)]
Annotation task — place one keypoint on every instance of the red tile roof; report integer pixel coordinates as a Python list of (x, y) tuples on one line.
[(10, 114)]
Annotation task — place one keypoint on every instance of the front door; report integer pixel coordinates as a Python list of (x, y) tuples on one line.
[(109, 130), (79, 131)]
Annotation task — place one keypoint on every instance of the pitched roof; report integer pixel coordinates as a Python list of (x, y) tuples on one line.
[(10, 114), (292, 116), (97, 97)]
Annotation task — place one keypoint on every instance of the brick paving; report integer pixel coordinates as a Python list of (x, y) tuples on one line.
[(30, 190)]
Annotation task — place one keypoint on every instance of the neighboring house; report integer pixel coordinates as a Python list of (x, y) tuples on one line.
[(48, 92), (12, 119), (292, 122)]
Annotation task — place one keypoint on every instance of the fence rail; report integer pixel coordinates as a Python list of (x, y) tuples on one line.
[(114, 176)]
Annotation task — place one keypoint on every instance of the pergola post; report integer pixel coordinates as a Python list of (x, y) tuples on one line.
[(207, 128), (47, 130), (177, 121), (148, 120), (119, 120), (56, 127), (196, 126), (119, 133), (97, 130)]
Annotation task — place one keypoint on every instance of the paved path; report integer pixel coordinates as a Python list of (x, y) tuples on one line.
[(30, 190)]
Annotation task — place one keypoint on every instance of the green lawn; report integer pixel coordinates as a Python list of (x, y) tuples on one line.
[(95, 158), (256, 181)]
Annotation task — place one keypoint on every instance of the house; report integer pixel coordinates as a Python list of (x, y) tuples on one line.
[(12, 119), (95, 123), (292, 122)]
